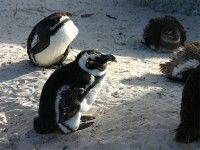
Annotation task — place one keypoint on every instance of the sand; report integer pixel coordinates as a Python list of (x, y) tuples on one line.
[(138, 107)]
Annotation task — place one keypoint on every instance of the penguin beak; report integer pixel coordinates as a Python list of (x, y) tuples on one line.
[(105, 58), (99, 62)]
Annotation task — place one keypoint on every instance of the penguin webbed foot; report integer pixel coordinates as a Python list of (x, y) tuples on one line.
[(86, 121), (85, 125), (85, 118), (185, 135), (60, 65), (55, 66), (52, 67)]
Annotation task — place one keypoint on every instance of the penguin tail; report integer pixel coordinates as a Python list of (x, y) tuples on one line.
[(40, 126)]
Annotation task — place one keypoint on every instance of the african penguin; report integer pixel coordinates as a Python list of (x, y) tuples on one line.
[(189, 127), (70, 90), (164, 32), (183, 61), (48, 42)]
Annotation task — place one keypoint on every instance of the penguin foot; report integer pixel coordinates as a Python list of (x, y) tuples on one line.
[(85, 125), (60, 65), (85, 118), (55, 66), (52, 67), (186, 136)]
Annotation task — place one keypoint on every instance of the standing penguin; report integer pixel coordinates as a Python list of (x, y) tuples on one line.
[(164, 32), (189, 128), (48, 42), (182, 63), (70, 90)]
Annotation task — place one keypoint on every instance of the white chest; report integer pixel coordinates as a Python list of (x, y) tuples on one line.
[(90, 97), (58, 44)]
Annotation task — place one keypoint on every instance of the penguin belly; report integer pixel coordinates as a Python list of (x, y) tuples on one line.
[(58, 45), (90, 97)]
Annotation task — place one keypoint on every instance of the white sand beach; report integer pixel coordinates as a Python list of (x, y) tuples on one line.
[(138, 107)]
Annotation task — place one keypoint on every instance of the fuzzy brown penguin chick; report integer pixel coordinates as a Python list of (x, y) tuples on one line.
[(189, 128), (182, 62), (170, 37), (164, 32)]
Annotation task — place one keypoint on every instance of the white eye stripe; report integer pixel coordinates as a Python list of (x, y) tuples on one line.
[(92, 56), (82, 63)]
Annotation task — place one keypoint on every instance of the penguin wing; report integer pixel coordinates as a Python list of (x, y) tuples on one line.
[(68, 111), (43, 38), (70, 102)]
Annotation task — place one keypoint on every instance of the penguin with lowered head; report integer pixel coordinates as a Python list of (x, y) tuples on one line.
[(70, 90), (48, 42), (164, 32)]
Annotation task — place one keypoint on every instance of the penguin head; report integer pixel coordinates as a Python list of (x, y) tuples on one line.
[(93, 62), (171, 34)]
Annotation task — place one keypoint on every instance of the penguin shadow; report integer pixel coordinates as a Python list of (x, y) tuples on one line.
[(148, 79), (11, 70), (38, 140), (155, 52), (140, 50)]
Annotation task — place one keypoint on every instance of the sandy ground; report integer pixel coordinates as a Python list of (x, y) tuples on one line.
[(137, 109)]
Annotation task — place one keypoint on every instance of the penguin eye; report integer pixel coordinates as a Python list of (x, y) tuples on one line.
[(86, 54), (91, 64)]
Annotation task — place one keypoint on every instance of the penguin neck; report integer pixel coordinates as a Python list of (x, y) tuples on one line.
[(97, 80), (58, 25)]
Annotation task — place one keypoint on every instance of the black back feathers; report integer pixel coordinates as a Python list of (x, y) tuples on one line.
[(189, 128)]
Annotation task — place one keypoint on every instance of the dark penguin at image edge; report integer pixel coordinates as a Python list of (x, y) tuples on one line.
[(189, 128), (164, 32), (49, 42), (70, 90)]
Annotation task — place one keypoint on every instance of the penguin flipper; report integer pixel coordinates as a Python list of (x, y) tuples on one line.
[(85, 118), (68, 109), (43, 34), (70, 103)]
